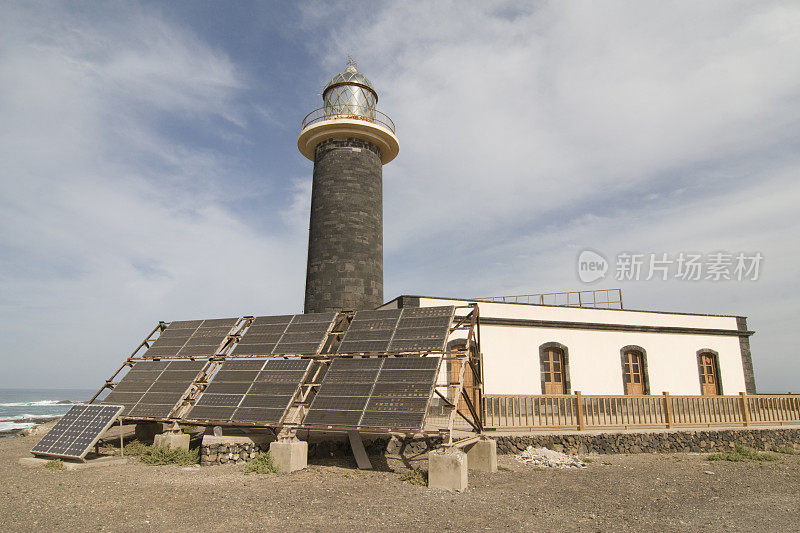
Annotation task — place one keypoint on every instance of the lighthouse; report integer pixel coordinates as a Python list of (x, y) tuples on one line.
[(349, 141)]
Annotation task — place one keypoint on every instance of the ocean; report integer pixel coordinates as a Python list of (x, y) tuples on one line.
[(23, 408)]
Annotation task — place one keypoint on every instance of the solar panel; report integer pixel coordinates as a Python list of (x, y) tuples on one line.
[(285, 335), (251, 391), (410, 329), (152, 389), (77, 431), (375, 393), (191, 338)]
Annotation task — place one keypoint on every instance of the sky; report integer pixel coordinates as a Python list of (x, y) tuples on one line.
[(149, 166)]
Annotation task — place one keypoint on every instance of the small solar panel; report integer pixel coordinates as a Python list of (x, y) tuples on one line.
[(251, 392), (409, 329), (191, 338), (152, 389), (285, 335), (77, 431), (383, 393)]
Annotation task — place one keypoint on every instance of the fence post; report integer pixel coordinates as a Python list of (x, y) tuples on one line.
[(667, 410), (579, 400), (745, 408)]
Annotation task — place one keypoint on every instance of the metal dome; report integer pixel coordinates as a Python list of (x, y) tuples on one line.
[(350, 94), (349, 76)]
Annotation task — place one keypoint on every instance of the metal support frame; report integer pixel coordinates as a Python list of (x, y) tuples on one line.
[(470, 355), (110, 383)]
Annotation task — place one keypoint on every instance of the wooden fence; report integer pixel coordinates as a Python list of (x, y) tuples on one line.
[(602, 411)]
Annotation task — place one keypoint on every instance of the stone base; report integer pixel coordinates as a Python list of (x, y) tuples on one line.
[(108, 460), (447, 470), (410, 448), (146, 431), (289, 455), (482, 455), (172, 440), (232, 449)]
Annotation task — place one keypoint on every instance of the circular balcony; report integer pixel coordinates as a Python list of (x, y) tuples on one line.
[(351, 113), (348, 121)]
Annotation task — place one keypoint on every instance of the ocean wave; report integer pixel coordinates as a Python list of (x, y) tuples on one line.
[(13, 426), (40, 403), (29, 417)]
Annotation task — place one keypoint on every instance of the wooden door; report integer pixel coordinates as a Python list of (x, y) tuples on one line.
[(634, 372), (553, 372), (469, 384), (709, 374)]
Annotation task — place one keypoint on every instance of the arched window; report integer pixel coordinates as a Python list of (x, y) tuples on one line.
[(634, 370), (708, 368), (554, 368)]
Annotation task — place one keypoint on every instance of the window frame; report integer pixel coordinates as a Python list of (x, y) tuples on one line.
[(564, 365), (700, 373), (645, 372)]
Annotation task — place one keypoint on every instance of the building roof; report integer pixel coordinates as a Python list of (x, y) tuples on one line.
[(484, 302)]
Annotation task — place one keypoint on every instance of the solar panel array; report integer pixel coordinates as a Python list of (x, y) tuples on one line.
[(285, 335), (375, 393), (77, 431), (410, 329), (191, 338), (152, 389), (254, 391)]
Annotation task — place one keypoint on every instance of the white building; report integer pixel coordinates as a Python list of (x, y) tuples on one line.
[(531, 349)]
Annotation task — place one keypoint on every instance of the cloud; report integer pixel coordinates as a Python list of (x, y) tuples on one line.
[(109, 221), (530, 131)]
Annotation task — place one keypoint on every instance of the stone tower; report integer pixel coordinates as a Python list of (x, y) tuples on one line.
[(349, 141)]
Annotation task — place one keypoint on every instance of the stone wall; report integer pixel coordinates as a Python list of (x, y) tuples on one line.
[(416, 448), (345, 242), (654, 442), (409, 447), (232, 452), (239, 450)]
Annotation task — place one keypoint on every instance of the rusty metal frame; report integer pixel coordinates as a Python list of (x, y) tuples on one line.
[(292, 420), (110, 383)]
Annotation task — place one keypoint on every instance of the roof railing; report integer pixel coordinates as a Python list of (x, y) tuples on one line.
[(596, 299)]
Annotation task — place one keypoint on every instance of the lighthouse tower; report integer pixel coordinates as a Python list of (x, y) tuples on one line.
[(349, 141)]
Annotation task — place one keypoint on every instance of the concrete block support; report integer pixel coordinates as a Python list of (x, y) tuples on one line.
[(107, 460), (482, 455), (289, 455), (172, 440), (447, 469), (146, 431)]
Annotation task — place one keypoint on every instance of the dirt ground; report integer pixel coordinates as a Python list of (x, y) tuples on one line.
[(645, 492)]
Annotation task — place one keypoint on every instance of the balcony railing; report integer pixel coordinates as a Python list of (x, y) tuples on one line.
[(351, 113), (562, 411)]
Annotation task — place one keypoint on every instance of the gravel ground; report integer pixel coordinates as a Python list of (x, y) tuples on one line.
[(644, 492)]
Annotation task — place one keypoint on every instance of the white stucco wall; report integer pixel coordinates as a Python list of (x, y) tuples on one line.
[(511, 353)]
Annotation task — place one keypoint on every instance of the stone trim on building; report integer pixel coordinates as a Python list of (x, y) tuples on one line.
[(747, 358)]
